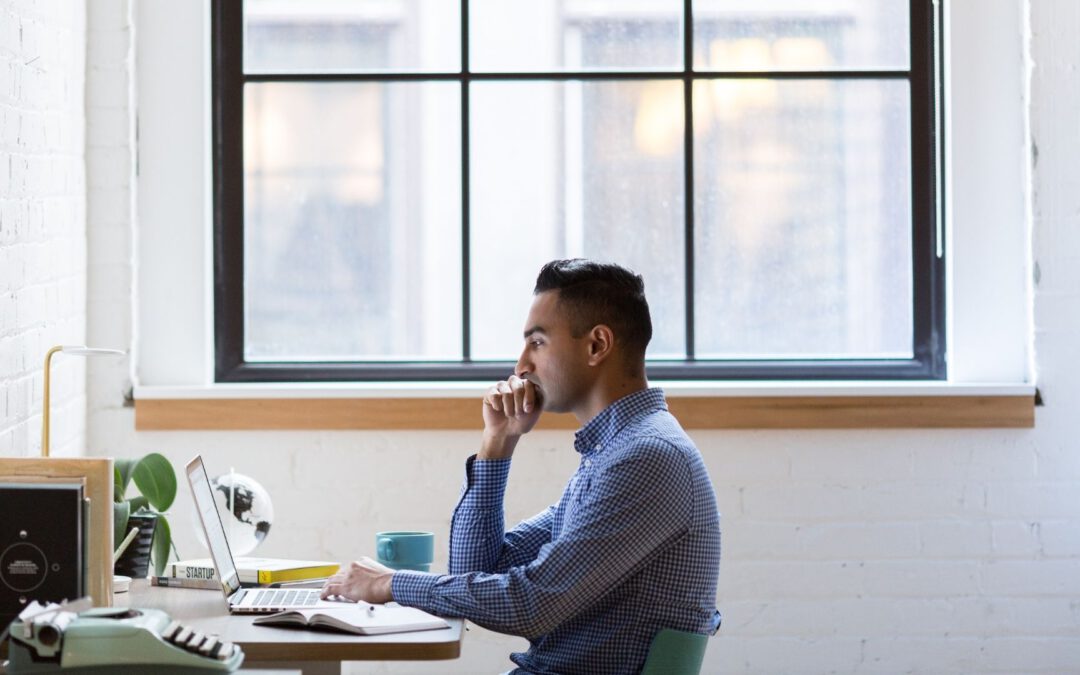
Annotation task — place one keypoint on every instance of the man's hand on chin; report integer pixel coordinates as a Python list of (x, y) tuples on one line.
[(511, 409), (362, 579)]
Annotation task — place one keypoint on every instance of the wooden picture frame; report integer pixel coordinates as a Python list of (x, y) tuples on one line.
[(97, 477)]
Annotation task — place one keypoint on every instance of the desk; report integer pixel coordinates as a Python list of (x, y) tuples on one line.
[(315, 653)]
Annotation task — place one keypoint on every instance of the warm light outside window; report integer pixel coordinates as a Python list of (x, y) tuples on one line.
[(402, 180)]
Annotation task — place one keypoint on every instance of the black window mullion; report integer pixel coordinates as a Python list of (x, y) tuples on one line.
[(578, 75), (227, 107), (688, 174), (928, 339), (466, 234)]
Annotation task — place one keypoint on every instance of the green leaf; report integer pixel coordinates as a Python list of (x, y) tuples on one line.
[(121, 511), (122, 469), (156, 480), (139, 504), (159, 552)]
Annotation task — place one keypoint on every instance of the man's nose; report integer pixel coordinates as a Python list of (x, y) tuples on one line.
[(523, 366)]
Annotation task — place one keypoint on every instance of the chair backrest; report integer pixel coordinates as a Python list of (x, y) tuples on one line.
[(675, 652)]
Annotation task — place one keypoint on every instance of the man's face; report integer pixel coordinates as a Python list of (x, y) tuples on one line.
[(553, 359)]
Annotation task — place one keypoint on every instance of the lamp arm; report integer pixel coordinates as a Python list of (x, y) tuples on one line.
[(81, 350), (45, 402)]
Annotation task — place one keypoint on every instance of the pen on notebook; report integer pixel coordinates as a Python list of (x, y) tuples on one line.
[(371, 610)]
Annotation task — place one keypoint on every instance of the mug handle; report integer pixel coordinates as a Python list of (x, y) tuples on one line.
[(385, 549)]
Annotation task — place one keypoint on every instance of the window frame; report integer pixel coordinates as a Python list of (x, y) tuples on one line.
[(928, 199)]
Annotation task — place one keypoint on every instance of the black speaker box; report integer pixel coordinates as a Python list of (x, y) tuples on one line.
[(42, 545)]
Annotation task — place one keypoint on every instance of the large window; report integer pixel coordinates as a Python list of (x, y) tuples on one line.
[(391, 174)]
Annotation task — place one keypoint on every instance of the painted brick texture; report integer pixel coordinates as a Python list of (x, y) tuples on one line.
[(42, 221)]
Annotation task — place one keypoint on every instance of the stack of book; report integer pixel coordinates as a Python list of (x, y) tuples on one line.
[(201, 573)]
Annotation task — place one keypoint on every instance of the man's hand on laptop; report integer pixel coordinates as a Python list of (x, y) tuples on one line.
[(362, 579)]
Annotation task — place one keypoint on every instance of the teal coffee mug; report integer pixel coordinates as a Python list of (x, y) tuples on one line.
[(406, 550)]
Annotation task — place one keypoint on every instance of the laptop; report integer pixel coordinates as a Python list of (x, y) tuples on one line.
[(242, 600)]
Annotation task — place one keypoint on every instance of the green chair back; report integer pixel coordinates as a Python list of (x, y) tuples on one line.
[(674, 652)]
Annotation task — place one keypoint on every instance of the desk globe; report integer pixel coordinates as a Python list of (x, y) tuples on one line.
[(246, 511)]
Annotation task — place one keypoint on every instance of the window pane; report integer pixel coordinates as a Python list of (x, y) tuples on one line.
[(803, 219), (590, 169), (550, 35), (799, 35), (352, 227), (345, 35)]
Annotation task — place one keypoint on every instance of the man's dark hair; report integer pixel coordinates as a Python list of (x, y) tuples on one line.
[(600, 293)]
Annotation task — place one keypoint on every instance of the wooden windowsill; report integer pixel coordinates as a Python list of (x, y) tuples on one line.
[(818, 407)]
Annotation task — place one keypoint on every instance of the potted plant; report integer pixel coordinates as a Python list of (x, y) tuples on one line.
[(155, 481)]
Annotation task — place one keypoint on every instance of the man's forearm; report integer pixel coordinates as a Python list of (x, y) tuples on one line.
[(506, 603), (497, 447)]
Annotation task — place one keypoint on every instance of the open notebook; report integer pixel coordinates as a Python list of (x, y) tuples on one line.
[(360, 619)]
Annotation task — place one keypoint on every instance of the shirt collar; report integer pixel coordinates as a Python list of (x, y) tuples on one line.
[(600, 430)]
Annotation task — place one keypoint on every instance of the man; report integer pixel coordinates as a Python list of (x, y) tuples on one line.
[(632, 547)]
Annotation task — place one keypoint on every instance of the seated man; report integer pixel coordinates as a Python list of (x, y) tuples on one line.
[(633, 545)]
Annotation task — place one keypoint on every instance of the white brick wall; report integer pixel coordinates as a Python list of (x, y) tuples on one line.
[(42, 221)]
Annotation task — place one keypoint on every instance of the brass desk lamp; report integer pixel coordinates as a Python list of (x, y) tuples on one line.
[(74, 351)]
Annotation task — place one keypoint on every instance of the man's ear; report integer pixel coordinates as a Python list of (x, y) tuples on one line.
[(601, 344)]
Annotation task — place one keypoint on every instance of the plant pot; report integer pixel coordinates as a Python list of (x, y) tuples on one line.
[(135, 561)]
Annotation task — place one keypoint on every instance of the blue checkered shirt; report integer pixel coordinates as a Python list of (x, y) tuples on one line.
[(632, 547)]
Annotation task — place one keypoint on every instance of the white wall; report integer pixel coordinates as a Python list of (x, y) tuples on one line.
[(851, 551), (110, 199), (42, 222)]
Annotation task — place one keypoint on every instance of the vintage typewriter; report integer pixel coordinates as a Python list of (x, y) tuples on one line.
[(53, 639)]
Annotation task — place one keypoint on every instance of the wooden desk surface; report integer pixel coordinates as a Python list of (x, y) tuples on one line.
[(206, 611)]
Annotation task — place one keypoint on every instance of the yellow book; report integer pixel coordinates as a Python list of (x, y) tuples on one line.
[(256, 570), (298, 570)]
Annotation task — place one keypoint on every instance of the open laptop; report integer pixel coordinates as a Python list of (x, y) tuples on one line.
[(242, 600)]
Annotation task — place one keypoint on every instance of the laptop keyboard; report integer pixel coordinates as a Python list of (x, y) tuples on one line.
[(281, 597)]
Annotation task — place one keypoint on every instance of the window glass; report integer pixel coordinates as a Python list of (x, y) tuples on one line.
[(592, 169), (803, 219), (346, 35), (352, 221), (558, 35), (766, 35)]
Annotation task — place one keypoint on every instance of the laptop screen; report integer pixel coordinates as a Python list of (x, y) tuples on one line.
[(212, 527)]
